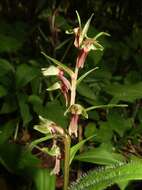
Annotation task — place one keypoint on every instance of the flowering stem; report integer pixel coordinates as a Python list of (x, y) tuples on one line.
[(73, 86), (67, 144)]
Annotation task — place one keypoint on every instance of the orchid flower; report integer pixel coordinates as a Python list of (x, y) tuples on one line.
[(76, 110), (65, 85), (84, 43), (57, 153)]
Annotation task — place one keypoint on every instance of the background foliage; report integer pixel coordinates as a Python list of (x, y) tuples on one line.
[(26, 29)]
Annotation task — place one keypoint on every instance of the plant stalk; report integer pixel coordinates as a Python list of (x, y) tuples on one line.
[(73, 86), (67, 144)]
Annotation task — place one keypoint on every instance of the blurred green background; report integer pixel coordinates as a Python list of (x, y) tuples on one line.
[(29, 27)]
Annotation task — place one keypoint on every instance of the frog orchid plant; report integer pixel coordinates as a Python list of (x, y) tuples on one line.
[(67, 86)]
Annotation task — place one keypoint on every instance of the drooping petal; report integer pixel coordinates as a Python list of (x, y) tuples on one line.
[(56, 169), (55, 150), (73, 124), (81, 58), (65, 86)]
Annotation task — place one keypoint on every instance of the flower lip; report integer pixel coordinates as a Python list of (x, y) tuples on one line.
[(73, 124)]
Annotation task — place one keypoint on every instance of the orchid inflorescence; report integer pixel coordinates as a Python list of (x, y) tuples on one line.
[(67, 86)]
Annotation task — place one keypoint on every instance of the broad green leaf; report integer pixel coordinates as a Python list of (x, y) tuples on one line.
[(12, 35), (35, 100), (37, 103), (84, 90), (106, 106), (62, 66), (7, 130), (76, 147), (119, 123), (100, 179), (100, 155), (5, 67), (85, 75), (9, 43), (17, 159), (94, 58), (44, 180), (25, 74), (104, 133), (10, 162), (24, 108), (27, 161), (90, 129), (55, 112), (128, 92)]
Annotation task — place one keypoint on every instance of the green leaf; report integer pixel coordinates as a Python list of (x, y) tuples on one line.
[(94, 58), (90, 129), (37, 103), (62, 66), (44, 180), (85, 75), (35, 100), (9, 43), (12, 35), (84, 90), (9, 162), (5, 67), (104, 177), (118, 123), (76, 147), (104, 133), (25, 74), (24, 108), (55, 112), (106, 106), (7, 130), (100, 155), (128, 92), (27, 161)]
